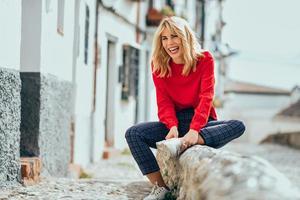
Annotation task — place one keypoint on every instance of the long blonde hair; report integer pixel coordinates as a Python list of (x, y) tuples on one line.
[(191, 47)]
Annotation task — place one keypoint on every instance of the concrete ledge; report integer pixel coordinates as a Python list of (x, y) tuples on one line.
[(202, 172), (10, 118)]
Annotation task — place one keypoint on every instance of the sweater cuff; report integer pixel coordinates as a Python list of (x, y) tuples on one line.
[(195, 127), (171, 124)]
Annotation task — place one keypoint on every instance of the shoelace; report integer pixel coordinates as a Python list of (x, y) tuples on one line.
[(156, 190)]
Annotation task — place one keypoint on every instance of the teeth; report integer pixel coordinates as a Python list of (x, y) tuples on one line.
[(172, 49)]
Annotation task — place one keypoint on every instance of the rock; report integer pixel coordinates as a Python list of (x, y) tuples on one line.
[(10, 118), (202, 172), (291, 139)]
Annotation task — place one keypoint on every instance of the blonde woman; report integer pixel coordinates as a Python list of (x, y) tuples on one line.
[(183, 76)]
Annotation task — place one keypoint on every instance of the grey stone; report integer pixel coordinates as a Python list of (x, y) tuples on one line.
[(10, 118), (46, 115), (202, 172), (291, 139)]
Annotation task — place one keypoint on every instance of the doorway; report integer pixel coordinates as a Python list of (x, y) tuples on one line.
[(110, 93)]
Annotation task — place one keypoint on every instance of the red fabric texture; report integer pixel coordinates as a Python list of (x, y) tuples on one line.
[(178, 92)]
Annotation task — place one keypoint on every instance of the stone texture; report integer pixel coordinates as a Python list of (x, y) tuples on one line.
[(289, 139), (45, 127), (115, 178), (202, 172), (55, 121), (10, 117), (119, 178), (283, 158)]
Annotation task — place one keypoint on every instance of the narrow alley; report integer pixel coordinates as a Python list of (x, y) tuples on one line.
[(76, 75), (119, 178)]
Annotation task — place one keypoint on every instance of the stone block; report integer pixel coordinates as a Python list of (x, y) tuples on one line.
[(10, 118), (202, 172)]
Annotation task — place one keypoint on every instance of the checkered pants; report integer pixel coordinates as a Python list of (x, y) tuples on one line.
[(142, 136)]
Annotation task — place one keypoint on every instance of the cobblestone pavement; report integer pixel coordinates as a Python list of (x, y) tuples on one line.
[(119, 178), (114, 179)]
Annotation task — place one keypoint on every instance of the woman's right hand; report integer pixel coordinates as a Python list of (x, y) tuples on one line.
[(173, 133)]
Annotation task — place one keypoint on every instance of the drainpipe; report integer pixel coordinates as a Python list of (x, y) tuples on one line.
[(202, 36), (138, 10)]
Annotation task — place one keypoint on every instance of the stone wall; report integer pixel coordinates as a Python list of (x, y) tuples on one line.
[(202, 172), (46, 115), (10, 118)]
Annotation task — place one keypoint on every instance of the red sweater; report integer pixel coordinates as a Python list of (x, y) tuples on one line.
[(178, 92)]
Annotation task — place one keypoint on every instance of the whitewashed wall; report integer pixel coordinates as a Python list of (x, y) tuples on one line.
[(10, 33), (88, 142), (56, 49), (256, 111), (124, 111)]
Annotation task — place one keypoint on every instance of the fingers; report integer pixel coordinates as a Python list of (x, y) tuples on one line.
[(171, 134), (184, 146)]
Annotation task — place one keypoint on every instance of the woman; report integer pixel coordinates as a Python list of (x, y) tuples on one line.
[(183, 76)]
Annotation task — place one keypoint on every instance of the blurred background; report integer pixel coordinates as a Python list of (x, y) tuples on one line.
[(84, 73)]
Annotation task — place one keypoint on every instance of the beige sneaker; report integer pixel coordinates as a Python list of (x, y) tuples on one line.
[(157, 193)]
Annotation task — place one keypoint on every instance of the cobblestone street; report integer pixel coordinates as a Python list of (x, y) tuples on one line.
[(116, 178), (119, 178)]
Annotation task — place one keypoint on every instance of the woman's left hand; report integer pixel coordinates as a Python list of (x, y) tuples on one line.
[(190, 139)]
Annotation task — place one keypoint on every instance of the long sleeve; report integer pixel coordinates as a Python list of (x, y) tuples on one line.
[(206, 95), (166, 108)]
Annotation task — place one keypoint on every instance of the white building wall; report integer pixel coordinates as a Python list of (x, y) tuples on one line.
[(88, 141), (56, 49), (10, 33), (31, 27), (256, 111), (129, 10), (124, 110)]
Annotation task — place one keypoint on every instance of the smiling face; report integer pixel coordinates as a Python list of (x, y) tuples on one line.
[(172, 45)]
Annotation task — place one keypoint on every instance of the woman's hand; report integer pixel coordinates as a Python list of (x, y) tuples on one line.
[(190, 139), (173, 133)]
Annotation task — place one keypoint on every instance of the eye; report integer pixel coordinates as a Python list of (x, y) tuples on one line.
[(174, 36), (164, 38)]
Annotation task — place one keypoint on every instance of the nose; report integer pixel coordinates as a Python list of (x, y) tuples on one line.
[(170, 41)]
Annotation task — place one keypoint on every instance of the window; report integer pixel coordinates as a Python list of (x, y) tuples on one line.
[(86, 34), (130, 72), (170, 3), (60, 16)]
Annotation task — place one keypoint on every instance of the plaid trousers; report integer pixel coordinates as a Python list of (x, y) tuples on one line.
[(142, 136)]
